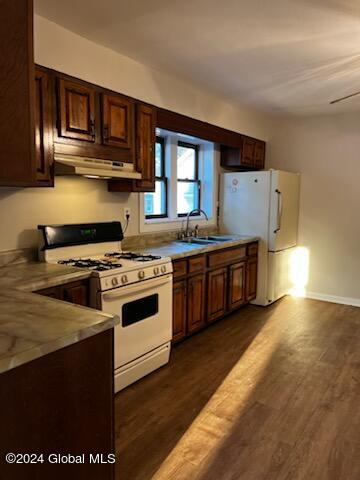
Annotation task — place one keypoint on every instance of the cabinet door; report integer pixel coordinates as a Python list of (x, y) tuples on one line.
[(77, 294), (52, 292), (17, 159), (216, 293), (145, 147), (76, 111), (248, 152), (179, 310), (237, 285), (196, 303), (230, 156), (118, 118), (259, 155), (44, 153), (251, 278)]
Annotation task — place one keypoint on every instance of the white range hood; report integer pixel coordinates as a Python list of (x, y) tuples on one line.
[(93, 167)]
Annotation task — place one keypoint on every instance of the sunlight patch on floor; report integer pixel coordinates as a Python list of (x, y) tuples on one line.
[(215, 423)]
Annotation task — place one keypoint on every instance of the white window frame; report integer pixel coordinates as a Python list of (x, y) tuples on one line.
[(209, 166)]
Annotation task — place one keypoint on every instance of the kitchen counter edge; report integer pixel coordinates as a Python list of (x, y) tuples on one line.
[(177, 250), (32, 325)]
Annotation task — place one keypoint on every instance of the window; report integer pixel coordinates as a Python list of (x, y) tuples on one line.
[(155, 203), (186, 172), (188, 183)]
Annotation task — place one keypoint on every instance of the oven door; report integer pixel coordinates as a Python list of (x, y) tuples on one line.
[(145, 311)]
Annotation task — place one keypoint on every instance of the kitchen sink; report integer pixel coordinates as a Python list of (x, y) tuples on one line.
[(208, 240), (216, 238), (197, 241)]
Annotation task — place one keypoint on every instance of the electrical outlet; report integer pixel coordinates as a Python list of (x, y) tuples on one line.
[(127, 213)]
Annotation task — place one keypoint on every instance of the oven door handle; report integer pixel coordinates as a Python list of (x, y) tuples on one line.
[(139, 287)]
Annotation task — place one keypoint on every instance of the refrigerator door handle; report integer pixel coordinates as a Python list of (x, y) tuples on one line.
[(279, 210)]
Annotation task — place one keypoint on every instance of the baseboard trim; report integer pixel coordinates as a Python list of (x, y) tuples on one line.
[(355, 302)]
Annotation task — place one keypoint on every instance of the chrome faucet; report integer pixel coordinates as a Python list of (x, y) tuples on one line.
[(200, 210)]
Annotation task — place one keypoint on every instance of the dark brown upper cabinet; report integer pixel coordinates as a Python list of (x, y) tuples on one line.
[(26, 127), (117, 121), (145, 147), (18, 162), (44, 152), (145, 137), (249, 156), (248, 152), (259, 155), (92, 121), (76, 111)]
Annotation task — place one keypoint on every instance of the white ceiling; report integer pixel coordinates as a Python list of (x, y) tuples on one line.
[(278, 55)]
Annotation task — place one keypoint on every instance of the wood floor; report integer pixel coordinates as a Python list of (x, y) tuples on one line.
[(268, 394)]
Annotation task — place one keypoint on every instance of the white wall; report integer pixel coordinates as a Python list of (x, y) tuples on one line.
[(326, 150), (78, 199), (73, 200)]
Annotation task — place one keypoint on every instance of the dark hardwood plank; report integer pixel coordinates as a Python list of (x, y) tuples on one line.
[(267, 393)]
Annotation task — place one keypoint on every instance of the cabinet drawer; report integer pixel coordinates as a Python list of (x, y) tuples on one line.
[(197, 264), (252, 249), (180, 268), (226, 256)]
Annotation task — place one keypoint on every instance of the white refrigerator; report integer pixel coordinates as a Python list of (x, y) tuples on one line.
[(265, 204)]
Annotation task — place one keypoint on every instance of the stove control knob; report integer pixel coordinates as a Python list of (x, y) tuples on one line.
[(124, 279), (141, 274), (163, 268), (156, 270), (114, 281)]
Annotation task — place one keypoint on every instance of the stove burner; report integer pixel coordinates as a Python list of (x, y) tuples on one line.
[(138, 257), (97, 265)]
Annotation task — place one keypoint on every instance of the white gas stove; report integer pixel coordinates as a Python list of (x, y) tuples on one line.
[(136, 287)]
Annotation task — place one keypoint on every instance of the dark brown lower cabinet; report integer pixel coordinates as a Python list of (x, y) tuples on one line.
[(251, 278), (196, 303), (179, 310), (237, 285), (60, 404), (209, 286), (216, 294), (74, 292)]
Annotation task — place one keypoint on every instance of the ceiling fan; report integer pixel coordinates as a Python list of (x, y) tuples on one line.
[(344, 98)]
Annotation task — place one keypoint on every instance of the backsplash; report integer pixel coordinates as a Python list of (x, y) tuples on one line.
[(135, 242), (21, 255)]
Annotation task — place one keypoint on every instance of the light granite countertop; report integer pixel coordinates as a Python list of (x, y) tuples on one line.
[(177, 249), (32, 325)]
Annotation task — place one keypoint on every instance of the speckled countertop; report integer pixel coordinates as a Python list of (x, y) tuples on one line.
[(32, 325), (176, 249)]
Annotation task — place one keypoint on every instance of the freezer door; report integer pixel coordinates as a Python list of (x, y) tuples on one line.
[(279, 274), (284, 210)]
